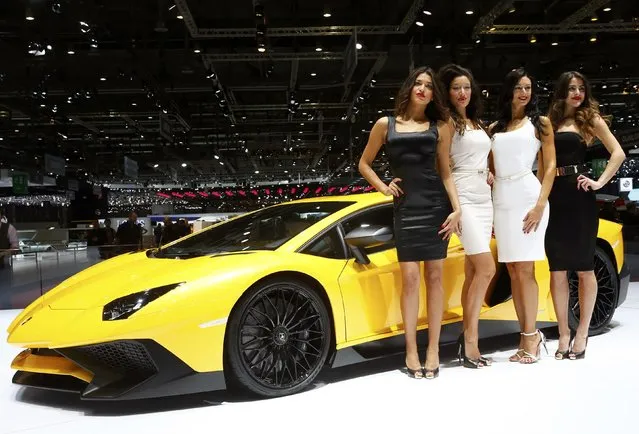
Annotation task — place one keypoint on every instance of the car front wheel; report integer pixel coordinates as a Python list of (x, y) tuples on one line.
[(607, 295), (278, 339)]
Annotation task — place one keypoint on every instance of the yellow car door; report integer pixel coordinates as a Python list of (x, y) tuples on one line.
[(372, 292)]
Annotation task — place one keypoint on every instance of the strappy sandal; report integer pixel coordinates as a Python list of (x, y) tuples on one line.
[(529, 359)]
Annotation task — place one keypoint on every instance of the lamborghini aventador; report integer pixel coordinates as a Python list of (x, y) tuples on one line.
[(261, 302)]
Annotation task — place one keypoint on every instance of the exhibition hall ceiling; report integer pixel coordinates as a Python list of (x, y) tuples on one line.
[(215, 92)]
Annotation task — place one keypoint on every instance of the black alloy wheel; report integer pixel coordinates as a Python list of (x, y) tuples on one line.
[(607, 295), (278, 339)]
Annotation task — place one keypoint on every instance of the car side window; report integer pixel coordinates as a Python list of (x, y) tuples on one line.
[(328, 245), (380, 216)]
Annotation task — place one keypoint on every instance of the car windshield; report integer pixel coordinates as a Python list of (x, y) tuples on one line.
[(266, 229)]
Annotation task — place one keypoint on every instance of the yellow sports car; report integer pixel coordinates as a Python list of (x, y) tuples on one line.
[(261, 302)]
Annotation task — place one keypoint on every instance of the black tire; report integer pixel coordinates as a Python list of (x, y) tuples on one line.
[(607, 295), (278, 339)]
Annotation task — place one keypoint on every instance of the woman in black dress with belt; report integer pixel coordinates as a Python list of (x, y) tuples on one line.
[(417, 142), (572, 228)]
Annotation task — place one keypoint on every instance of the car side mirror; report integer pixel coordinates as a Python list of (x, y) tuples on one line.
[(366, 237)]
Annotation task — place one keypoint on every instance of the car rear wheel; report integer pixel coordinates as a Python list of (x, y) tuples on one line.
[(278, 339), (607, 295)]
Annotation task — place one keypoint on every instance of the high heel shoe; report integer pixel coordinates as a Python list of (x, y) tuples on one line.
[(564, 355), (579, 355), (534, 358), (417, 374), (465, 361), (430, 374)]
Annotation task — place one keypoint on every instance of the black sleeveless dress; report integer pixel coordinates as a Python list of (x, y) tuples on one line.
[(420, 212), (574, 219)]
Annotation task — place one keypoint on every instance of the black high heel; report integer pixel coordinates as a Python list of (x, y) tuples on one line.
[(564, 355), (580, 355), (430, 374), (465, 361), (417, 374)]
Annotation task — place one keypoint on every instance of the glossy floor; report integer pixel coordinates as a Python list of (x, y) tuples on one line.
[(594, 395)]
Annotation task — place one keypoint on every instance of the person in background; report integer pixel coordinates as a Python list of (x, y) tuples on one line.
[(8, 238), (129, 234)]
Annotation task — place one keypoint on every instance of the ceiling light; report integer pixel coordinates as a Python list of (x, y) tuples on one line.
[(594, 18), (554, 43), (419, 23), (427, 12), (197, 51), (71, 52), (358, 46), (327, 12), (261, 49), (183, 164), (180, 17), (512, 10), (607, 9), (102, 78), (313, 74), (593, 38), (156, 165), (469, 12), (532, 39), (318, 49), (438, 45), (29, 15)]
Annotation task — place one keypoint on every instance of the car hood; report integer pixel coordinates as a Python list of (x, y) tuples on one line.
[(121, 276)]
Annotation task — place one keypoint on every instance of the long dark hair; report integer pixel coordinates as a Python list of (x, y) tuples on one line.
[(435, 110), (445, 76), (505, 113), (586, 112)]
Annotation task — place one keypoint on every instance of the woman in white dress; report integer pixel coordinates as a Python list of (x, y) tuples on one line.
[(469, 159), (521, 200)]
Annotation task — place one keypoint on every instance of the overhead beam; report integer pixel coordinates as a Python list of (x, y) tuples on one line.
[(523, 29), (586, 11), (486, 21), (379, 64), (259, 57), (249, 32)]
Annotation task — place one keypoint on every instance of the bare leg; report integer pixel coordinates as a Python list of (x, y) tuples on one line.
[(587, 299), (530, 298), (517, 301), (559, 291), (469, 272), (435, 299), (410, 311), (484, 266)]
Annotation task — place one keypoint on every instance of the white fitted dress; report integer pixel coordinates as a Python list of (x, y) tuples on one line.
[(516, 190), (469, 159)]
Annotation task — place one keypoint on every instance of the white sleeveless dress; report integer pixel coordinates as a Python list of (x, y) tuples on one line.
[(469, 159), (516, 190)]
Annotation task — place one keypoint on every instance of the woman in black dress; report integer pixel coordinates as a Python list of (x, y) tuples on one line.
[(572, 228), (417, 141)]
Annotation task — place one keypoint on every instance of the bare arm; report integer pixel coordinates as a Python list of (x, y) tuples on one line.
[(376, 139), (452, 223), (443, 160), (540, 167), (546, 172), (548, 161), (617, 155)]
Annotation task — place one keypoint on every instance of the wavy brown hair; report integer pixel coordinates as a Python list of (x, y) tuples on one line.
[(435, 110), (445, 76), (586, 112)]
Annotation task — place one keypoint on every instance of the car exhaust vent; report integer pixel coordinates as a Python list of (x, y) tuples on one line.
[(130, 358)]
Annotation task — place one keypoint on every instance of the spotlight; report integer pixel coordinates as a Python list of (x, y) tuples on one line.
[(359, 46), (427, 12), (56, 7), (29, 15), (419, 23)]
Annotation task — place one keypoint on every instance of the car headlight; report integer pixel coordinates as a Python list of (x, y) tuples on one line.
[(124, 307)]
